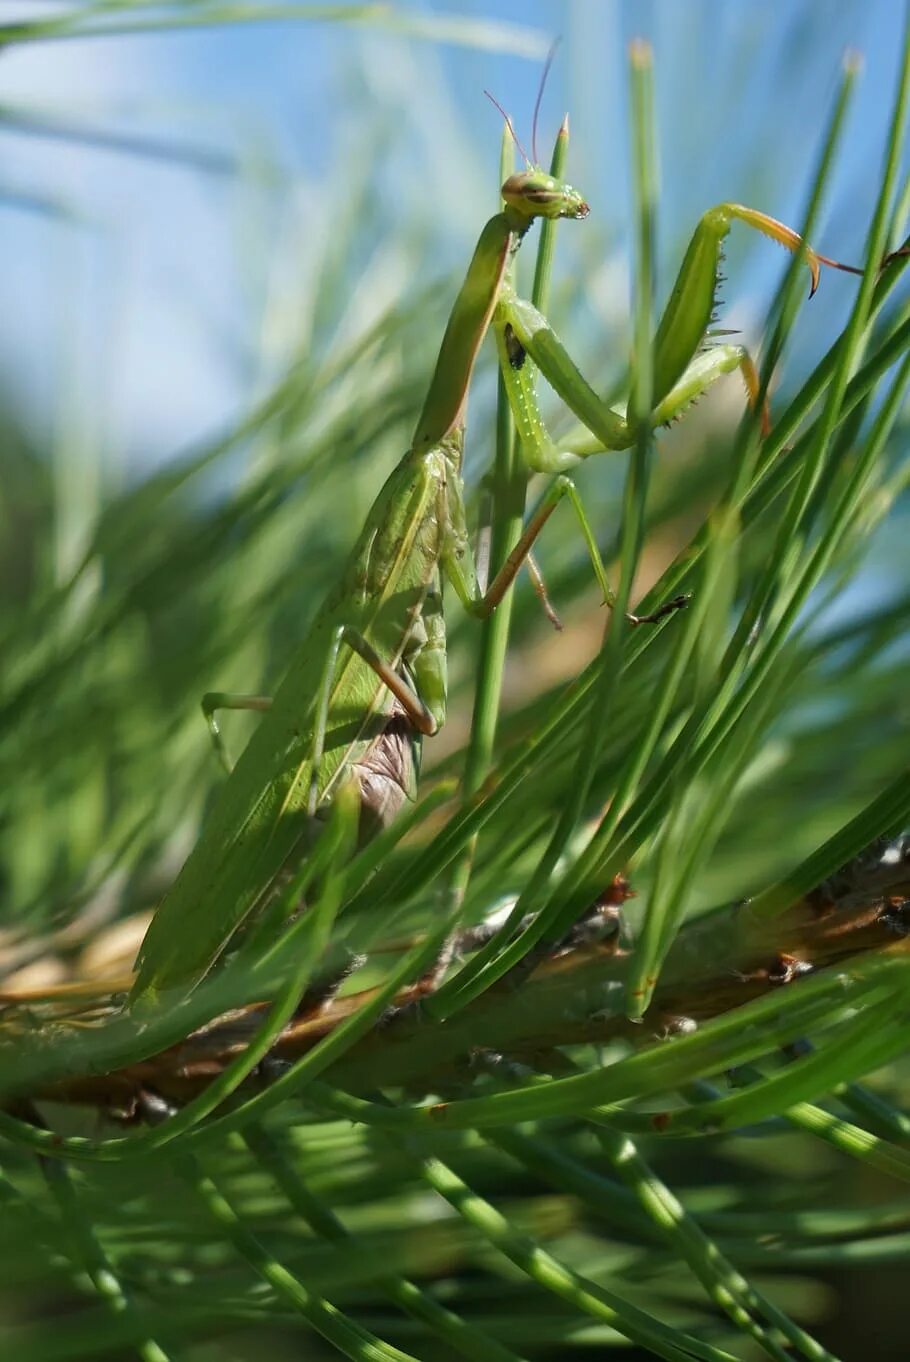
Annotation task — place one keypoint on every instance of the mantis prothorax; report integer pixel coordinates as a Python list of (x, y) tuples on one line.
[(369, 678)]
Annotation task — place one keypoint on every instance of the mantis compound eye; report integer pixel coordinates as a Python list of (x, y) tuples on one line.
[(533, 193)]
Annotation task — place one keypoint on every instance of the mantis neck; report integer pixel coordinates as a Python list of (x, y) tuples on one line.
[(444, 408)]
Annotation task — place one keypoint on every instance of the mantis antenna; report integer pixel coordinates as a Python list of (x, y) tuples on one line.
[(510, 125), (540, 89)]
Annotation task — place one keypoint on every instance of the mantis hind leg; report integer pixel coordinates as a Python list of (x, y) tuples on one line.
[(410, 703), (215, 700), (417, 711), (386, 773)]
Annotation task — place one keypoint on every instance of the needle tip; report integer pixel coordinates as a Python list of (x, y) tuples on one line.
[(640, 54)]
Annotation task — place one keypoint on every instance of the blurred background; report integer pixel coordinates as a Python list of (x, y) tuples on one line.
[(229, 253)]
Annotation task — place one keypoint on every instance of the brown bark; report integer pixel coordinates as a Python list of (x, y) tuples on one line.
[(573, 996)]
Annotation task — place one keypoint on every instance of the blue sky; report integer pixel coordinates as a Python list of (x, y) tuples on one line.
[(132, 311)]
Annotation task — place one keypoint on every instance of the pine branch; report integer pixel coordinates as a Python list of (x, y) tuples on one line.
[(723, 961)]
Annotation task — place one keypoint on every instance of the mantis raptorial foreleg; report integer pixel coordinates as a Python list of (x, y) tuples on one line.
[(683, 366), (609, 429)]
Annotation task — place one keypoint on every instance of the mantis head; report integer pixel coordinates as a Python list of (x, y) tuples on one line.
[(532, 193)]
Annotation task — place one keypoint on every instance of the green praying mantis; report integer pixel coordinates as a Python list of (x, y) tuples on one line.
[(369, 679)]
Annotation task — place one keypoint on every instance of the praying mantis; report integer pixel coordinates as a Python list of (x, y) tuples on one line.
[(369, 679)]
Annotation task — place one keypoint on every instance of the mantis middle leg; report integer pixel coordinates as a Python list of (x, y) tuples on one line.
[(458, 562)]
